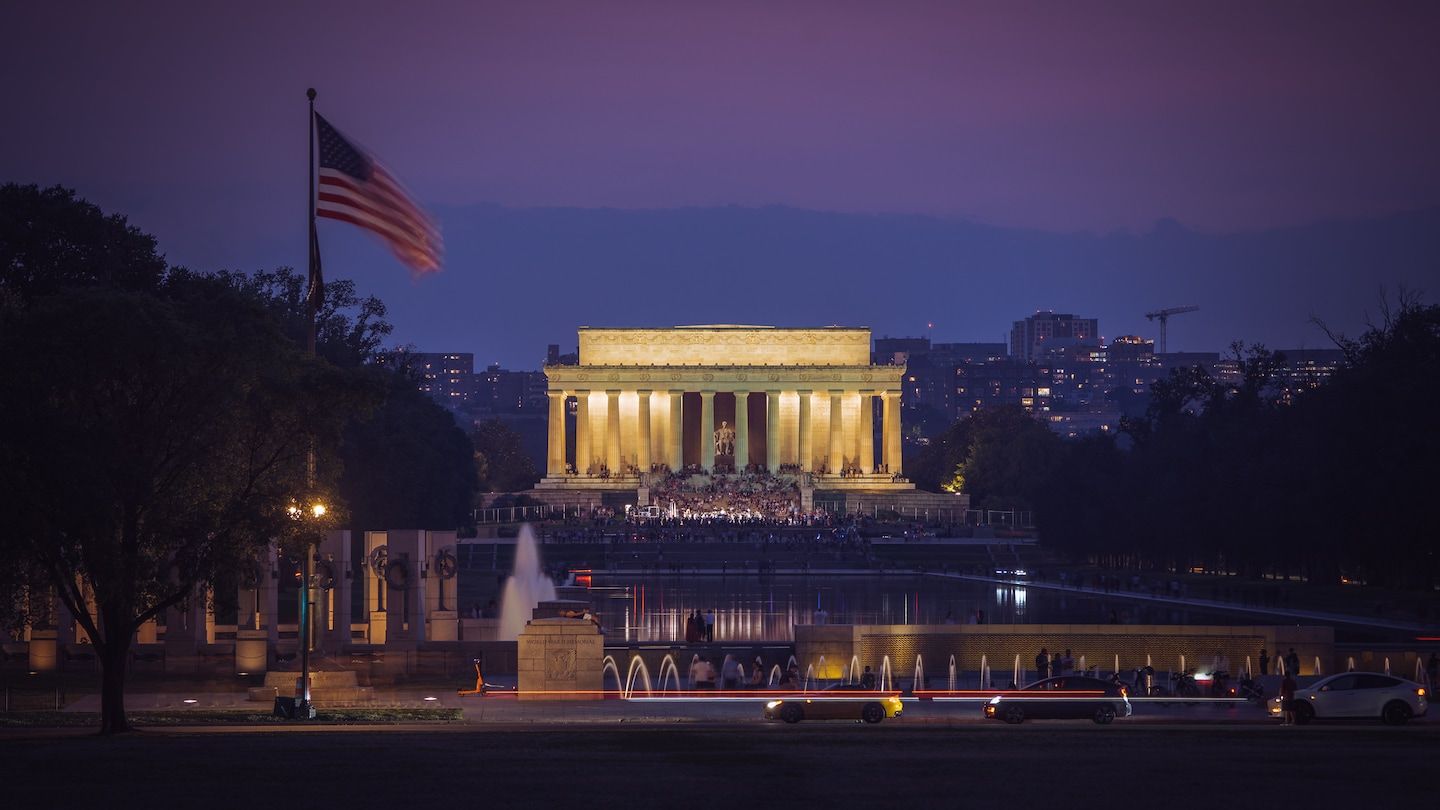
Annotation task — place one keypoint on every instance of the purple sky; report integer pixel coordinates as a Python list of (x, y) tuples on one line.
[(1228, 116)]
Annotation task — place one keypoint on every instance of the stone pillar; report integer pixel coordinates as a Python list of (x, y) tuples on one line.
[(441, 612), (675, 434), (555, 461), (807, 433), (612, 432), (559, 659), (866, 430), (742, 430), (335, 603), (837, 434), (892, 432), (584, 446), (642, 431), (707, 430), (772, 431)]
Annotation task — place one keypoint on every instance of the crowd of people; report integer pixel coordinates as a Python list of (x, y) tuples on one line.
[(746, 498)]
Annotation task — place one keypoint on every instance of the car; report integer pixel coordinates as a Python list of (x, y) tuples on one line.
[(1367, 695), (839, 702), (1063, 697)]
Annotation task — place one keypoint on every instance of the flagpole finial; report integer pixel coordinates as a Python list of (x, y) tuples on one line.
[(310, 93)]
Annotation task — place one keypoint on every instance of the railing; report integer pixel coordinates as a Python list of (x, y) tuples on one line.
[(17, 699), (520, 514)]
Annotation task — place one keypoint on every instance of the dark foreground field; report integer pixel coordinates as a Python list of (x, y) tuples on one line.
[(689, 766)]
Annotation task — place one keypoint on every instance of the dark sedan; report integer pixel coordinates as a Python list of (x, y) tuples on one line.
[(1067, 697)]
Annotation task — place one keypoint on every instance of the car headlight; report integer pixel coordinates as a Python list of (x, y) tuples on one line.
[(994, 700), (772, 704)]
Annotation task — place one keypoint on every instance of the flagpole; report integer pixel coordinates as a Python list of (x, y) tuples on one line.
[(312, 305)]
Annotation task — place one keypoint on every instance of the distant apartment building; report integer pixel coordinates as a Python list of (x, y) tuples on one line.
[(928, 393), (1032, 337), (449, 378)]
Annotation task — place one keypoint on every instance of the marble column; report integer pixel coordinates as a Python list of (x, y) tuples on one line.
[(772, 431), (612, 433), (837, 433), (584, 446), (742, 430), (866, 430), (675, 434), (642, 431), (707, 430), (555, 461), (892, 432), (807, 432)]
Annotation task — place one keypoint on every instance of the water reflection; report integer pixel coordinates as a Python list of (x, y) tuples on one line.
[(653, 609)]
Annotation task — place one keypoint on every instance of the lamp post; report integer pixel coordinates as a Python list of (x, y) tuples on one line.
[(315, 513)]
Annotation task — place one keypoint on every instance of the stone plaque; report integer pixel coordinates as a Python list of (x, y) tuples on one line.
[(560, 665)]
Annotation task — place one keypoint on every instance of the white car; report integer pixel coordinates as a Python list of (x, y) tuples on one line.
[(1358, 695)]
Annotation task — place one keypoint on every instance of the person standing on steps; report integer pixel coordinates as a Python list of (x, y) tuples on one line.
[(709, 625), (1042, 664)]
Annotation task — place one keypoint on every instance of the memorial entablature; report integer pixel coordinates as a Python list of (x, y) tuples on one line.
[(724, 398)]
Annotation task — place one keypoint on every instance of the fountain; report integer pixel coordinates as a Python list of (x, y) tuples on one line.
[(854, 669), (1017, 681), (1082, 664), (667, 666), (1387, 665), (1318, 673), (919, 682), (1421, 676), (774, 675), (1279, 664), (886, 681), (1117, 663), (607, 664), (984, 672), (527, 587), (1350, 664), (637, 667), (952, 670), (809, 678)]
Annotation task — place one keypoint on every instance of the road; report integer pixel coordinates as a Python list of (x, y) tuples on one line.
[(710, 764)]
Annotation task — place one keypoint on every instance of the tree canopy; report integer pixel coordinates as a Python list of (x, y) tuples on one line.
[(152, 441), (51, 240), (501, 463)]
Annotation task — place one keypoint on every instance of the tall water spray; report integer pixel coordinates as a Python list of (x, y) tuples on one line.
[(527, 587)]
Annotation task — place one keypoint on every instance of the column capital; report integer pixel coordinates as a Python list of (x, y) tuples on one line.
[(643, 390)]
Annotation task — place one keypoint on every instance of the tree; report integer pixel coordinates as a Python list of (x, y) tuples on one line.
[(503, 459), (408, 464), (151, 442), (349, 330), (49, 240), (1011, 458)]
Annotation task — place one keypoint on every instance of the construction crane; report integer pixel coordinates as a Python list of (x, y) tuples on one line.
[(1163, 315)]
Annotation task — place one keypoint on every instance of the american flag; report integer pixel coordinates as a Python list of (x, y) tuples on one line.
[(355, 188)]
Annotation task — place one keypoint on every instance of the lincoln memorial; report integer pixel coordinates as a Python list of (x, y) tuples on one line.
[(725, 398)]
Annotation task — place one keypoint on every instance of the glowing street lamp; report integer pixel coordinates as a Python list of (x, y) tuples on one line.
[(314, 514)]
